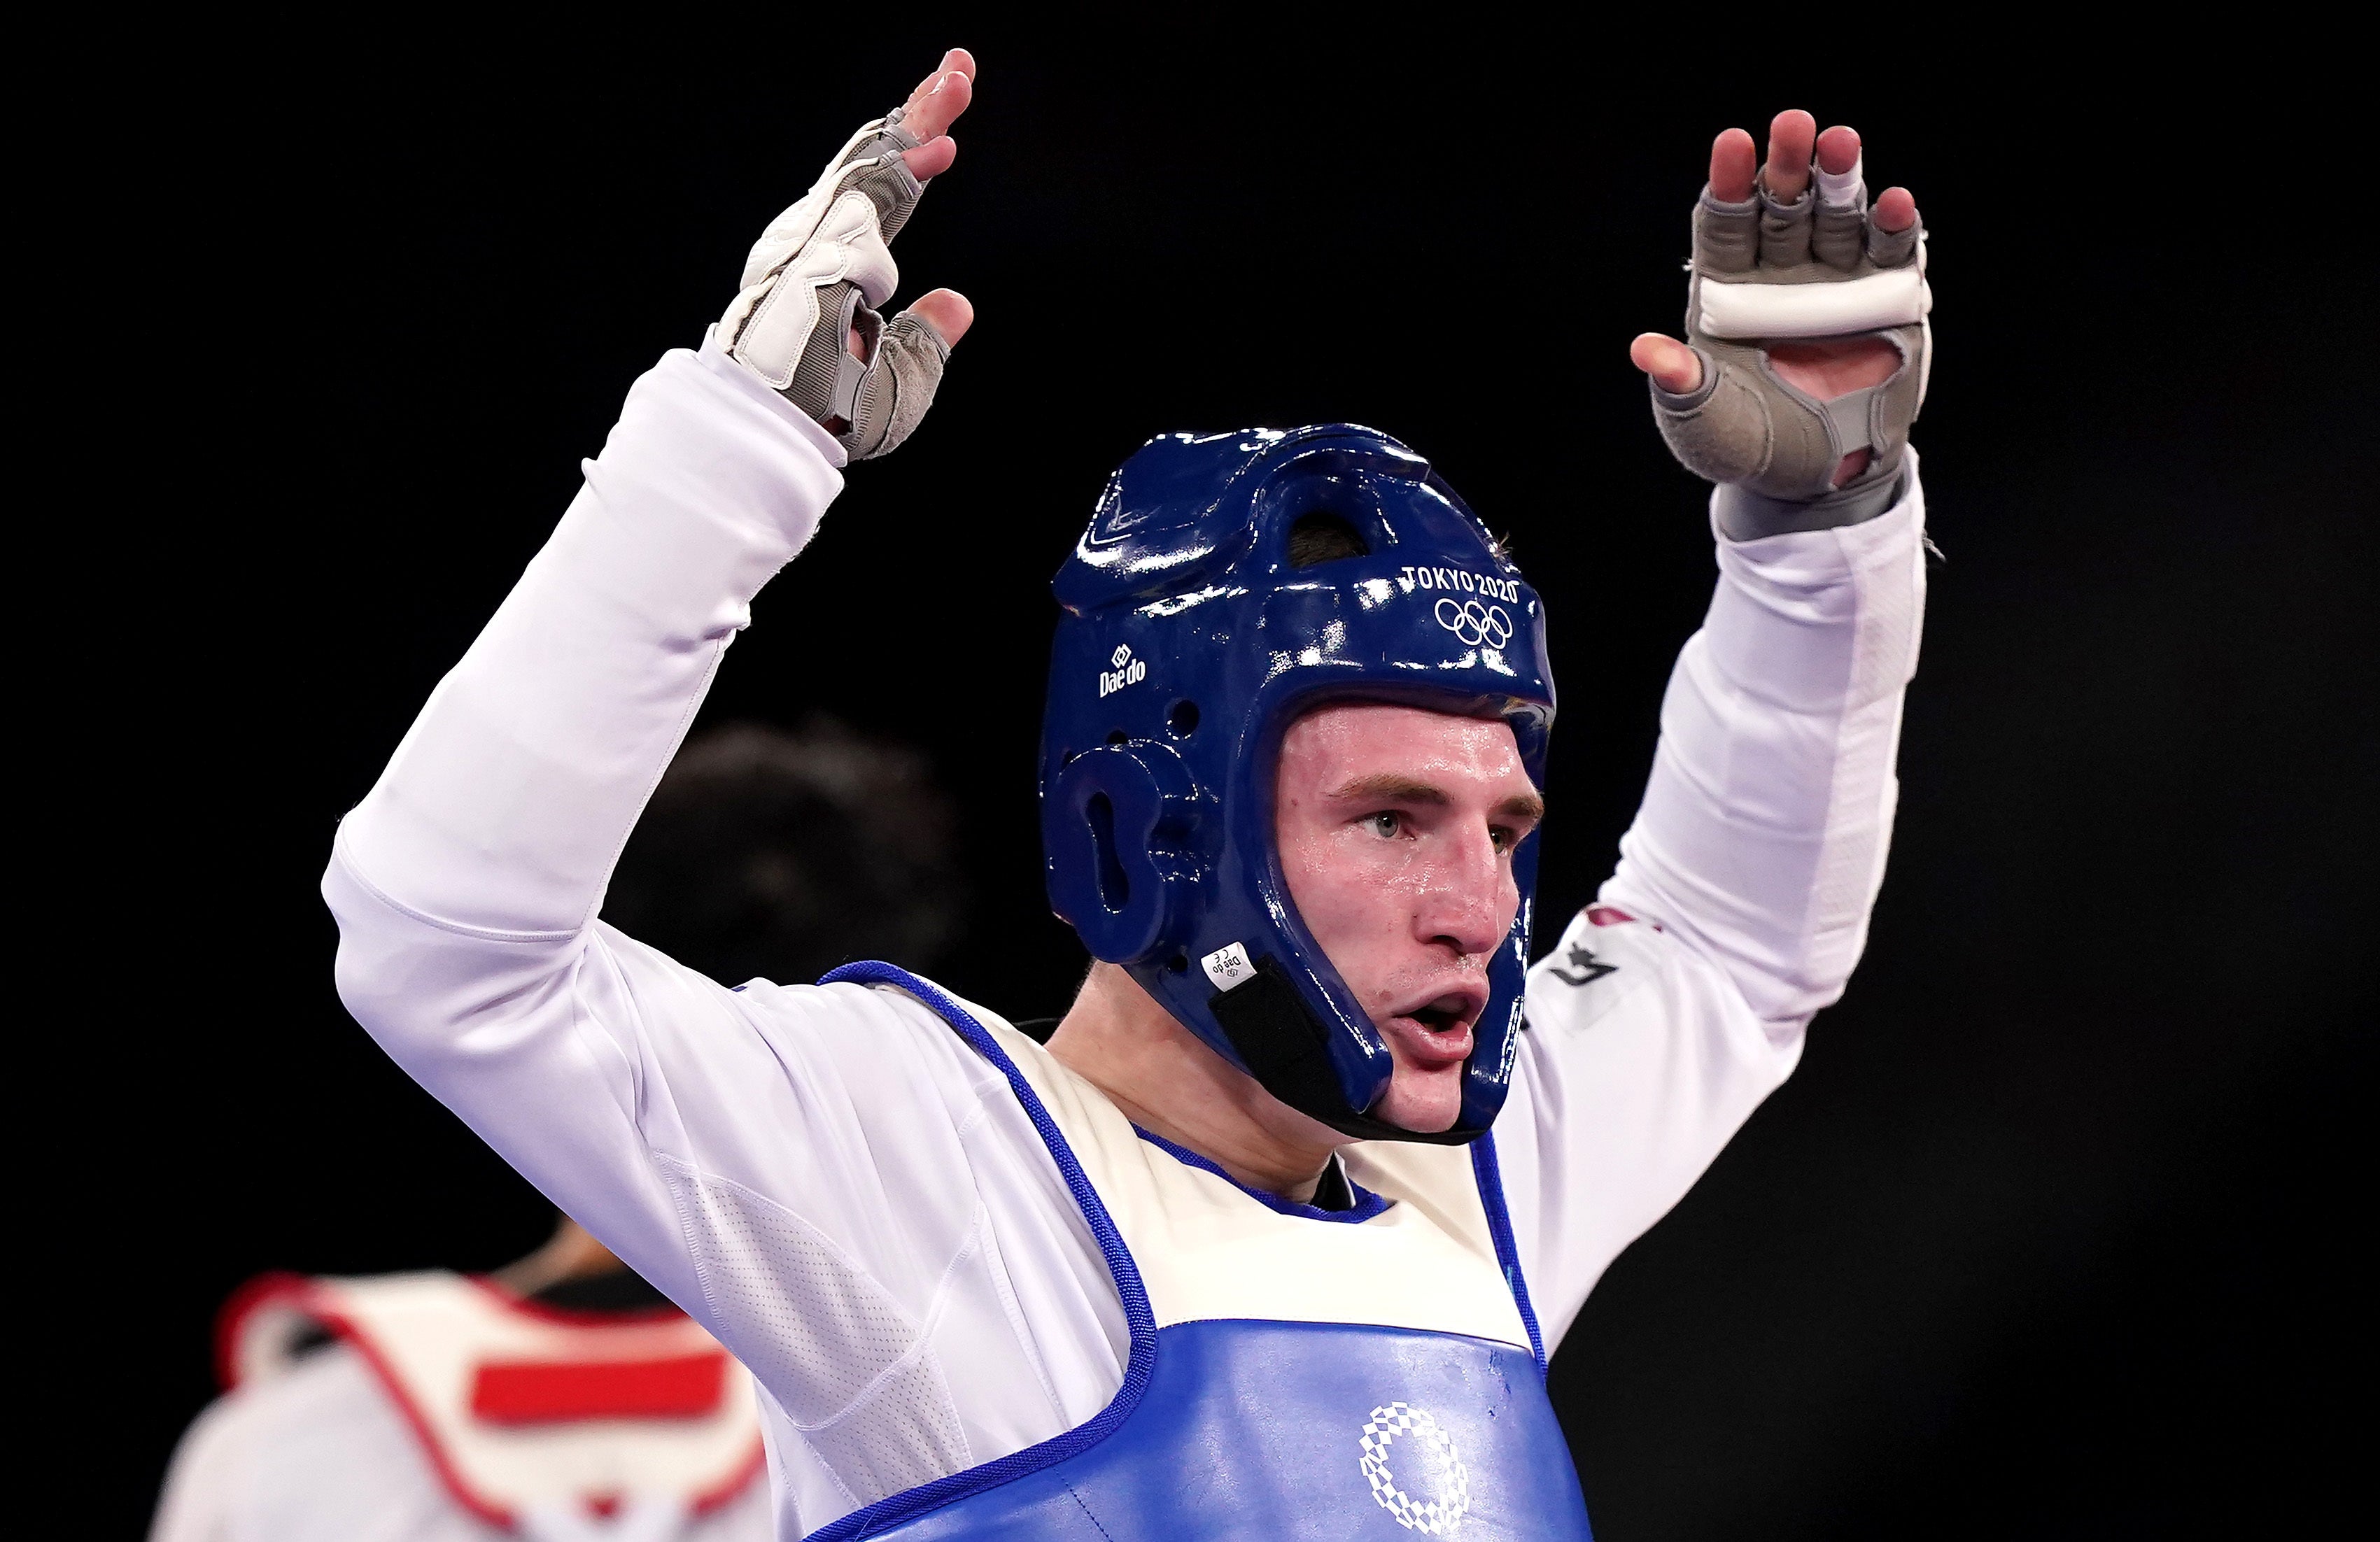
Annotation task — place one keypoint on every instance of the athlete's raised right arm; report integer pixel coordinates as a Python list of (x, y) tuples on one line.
[(467, 881), (1672, 1007)]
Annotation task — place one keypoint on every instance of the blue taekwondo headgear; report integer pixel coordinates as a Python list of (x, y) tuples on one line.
[(1189, 641)]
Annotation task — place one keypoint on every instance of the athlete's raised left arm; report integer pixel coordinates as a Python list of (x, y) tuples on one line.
[(1671, 1008)]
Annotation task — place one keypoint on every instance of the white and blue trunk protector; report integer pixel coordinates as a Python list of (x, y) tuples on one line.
[(1247, 1426)]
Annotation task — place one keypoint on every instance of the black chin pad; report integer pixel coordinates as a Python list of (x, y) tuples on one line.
[(1285, 1049)]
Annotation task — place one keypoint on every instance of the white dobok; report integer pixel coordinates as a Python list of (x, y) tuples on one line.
[(839, 1188)]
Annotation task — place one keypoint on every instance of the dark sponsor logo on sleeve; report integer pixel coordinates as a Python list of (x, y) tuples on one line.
[(1583, 967)]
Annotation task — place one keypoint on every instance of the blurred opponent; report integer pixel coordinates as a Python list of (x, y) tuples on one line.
[(563, 1396)]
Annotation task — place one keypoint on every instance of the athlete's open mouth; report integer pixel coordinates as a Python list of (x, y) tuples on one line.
[(1437, 1033), (1438, 1018)]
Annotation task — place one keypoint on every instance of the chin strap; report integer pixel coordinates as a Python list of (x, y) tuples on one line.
[(814, 278), (1767, 271), (1284, 1050)]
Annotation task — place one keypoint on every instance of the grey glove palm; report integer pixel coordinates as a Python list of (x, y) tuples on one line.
[(814, 278), (1766, 272)]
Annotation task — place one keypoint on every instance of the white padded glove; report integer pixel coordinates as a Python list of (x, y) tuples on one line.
[(1765, 273), (818, 272)]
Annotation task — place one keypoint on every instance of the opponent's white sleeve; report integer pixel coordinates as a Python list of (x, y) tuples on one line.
[(1667, 1012), (195, 1503), (830, 1179)]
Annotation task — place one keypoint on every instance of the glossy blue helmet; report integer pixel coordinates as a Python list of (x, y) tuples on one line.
[(1190, 639)]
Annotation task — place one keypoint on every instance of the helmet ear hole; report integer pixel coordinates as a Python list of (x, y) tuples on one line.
[(1321, 537), (1110, 824), (1115, 888), (1183, 718)]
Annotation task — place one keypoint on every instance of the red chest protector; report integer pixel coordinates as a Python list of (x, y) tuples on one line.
[(527, 1413)]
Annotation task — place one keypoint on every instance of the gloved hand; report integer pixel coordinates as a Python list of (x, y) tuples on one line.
[(805, 321), (1806, 313)]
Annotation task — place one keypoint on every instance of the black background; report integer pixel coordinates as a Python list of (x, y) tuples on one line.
[(2049, 1231)]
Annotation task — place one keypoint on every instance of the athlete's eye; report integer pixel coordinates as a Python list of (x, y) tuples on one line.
[(1385, 824), (1503, 837)]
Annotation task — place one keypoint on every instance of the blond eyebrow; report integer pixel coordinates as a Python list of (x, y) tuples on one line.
[(1523, 806), (1397, 788)]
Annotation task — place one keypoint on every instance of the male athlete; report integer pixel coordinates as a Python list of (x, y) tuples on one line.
[(1236, 1253)]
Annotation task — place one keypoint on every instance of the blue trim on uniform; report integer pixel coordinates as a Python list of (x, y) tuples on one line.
[(1499, 1226), (1142, 1364), (1367, 1206)]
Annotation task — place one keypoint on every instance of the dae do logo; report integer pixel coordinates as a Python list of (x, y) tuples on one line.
[(1128, 671)]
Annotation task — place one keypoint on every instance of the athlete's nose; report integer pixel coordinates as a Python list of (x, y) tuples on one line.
[(1470, 901)]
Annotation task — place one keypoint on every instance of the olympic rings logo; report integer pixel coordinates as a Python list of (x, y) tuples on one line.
[(1433, 1470), (1475, 625)]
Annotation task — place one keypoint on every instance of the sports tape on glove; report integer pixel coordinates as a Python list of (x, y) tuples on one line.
[(1767, 271)]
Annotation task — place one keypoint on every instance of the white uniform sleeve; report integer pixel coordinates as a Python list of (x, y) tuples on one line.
[(195, 1505), (827, 1179), (1668, 1011), (466, 883), (506, 805)]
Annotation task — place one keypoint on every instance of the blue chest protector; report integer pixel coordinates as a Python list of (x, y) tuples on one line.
[(1246, 1429)]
